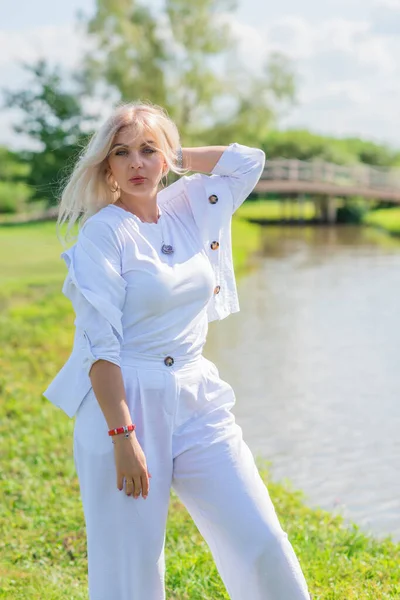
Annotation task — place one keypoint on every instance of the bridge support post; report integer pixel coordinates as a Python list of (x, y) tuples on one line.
[(328, 210), (301, 204), (285, 209)]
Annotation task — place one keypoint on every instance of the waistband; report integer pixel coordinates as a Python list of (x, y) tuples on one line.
[(158, 361)]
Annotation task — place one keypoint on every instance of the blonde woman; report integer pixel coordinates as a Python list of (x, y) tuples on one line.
[(149, 270)]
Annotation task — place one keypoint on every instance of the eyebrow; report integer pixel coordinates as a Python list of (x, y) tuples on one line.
[(127, 146)]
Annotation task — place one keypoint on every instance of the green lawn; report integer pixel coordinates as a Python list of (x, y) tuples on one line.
[(274, 210), (42, 538), (385, 218)]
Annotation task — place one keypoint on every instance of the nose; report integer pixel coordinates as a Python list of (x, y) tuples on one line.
[(136, 160)]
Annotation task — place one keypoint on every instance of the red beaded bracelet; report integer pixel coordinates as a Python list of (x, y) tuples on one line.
[(123, 429)]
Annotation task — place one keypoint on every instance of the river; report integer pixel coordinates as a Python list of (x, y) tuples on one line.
[(314, 359)]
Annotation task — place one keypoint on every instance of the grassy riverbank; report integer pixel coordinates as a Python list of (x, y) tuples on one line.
[(387, 219), (275, 210), (42, 538)]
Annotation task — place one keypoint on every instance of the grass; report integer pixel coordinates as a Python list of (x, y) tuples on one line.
[(42, 536), (385, 218), (29, 253), (274, 210)]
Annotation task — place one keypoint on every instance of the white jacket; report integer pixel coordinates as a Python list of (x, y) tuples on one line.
[(100, 286)]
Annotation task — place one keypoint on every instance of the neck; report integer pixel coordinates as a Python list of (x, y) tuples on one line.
[(147, 214)]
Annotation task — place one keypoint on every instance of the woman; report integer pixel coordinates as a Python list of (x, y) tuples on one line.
[(148, 272)]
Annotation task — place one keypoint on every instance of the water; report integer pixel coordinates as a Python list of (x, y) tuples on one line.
[(314, 359)]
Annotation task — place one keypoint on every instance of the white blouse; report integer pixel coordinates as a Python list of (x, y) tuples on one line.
[(130, 297)]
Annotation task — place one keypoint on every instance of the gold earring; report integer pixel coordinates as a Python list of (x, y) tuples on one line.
[(114, 188)]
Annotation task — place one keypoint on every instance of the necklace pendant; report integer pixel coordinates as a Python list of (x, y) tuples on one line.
[(167, 249)]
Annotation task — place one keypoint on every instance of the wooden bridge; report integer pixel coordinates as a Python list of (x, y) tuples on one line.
[(326, 183)]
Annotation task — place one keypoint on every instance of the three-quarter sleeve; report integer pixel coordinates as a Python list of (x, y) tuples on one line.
[(209, 202), (97, 291), (214, 198), (241, 167)]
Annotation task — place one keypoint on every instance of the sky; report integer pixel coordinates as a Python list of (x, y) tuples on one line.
[(346, 54)]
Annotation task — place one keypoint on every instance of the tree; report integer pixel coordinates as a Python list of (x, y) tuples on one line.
[(305, 145), (185, 59), (54, 119), (259, 101), (14, 193), (12, 168)]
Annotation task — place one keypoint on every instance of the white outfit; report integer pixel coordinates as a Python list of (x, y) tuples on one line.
[(138, 308)]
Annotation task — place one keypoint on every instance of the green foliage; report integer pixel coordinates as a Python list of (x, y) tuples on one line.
[(385, 218), (12, 168), (13, 196), (353, 210), (42, 533), (129, 55), (170, 58), (371, 153), (14, 192), (262, 211), (53, 118), (305, 145)]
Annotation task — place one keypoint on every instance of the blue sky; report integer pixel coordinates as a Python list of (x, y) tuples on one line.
[(346, 53)]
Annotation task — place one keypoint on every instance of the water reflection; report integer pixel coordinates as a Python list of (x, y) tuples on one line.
[(313, 357)]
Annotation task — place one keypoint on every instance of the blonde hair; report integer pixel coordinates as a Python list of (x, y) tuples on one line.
[(87, 189)]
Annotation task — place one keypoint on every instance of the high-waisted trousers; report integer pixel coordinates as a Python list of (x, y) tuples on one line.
[(192, 443)]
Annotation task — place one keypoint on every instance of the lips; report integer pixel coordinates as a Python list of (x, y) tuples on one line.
[(137, 179)]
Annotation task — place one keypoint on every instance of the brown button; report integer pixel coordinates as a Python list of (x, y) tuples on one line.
[(214, 245), (169, 361), (213, 199), (216, 289)]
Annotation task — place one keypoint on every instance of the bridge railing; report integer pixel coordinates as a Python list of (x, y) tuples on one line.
[(323, 172)]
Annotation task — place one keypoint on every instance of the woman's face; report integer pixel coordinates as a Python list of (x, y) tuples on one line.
[(128, 160)]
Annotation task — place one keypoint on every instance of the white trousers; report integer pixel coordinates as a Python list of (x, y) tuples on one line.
[(192, 443)]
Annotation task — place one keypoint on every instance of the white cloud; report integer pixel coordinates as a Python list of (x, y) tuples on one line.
[(253, 46), (302, 39), (350, 75), (63, 44), (391, 4), (386, 18)]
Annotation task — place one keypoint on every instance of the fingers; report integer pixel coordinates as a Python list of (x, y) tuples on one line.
[(129, 487), (134, 485), (145, 486), (138, 486)]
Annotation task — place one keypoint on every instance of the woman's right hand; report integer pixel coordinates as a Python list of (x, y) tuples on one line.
[(130, 463)]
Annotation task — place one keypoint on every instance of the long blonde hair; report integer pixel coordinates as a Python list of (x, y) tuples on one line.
[(88, 189)]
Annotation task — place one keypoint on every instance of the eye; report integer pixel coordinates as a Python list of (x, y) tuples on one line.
[(151, 150), (121, 152)]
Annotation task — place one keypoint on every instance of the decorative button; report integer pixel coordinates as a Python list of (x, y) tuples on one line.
[(169, 361), (213, 199), (214, 245), (217, 289), (167, 249)]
